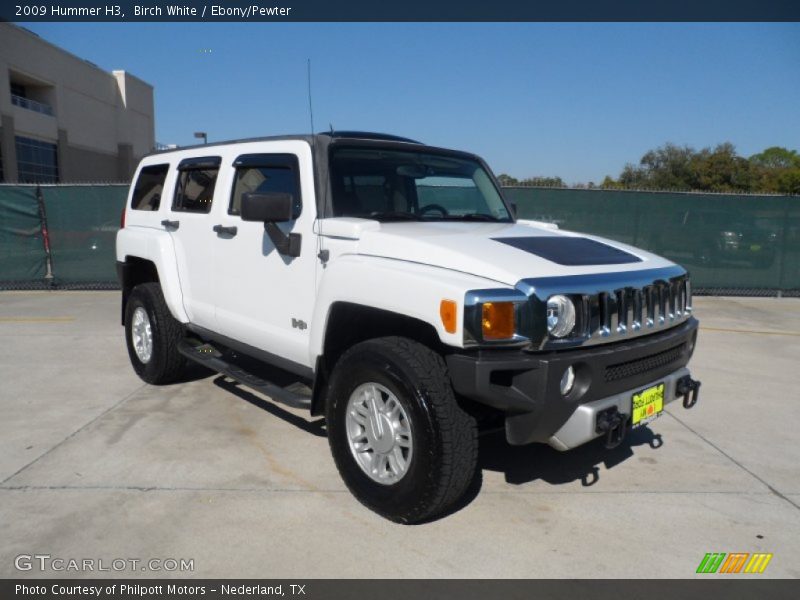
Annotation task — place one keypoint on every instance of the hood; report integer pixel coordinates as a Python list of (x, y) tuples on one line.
[(503, 252)]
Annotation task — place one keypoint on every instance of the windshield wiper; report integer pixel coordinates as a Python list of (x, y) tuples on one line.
[(393, 215), (472, 217)]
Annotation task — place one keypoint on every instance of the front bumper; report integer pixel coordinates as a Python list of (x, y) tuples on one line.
[(525, 386)]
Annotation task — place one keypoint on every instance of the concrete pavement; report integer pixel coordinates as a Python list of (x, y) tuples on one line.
[(95, 464)]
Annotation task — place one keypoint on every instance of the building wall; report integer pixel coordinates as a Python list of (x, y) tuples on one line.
[(102, 122)]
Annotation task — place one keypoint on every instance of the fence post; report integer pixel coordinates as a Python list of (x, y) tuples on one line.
[(45, 236), (784, 235)]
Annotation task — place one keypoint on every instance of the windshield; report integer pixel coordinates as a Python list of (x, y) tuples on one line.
[(387, 184)]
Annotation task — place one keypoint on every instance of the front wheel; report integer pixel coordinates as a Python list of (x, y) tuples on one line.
[(402, 445)]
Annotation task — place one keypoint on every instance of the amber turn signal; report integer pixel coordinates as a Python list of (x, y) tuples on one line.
[(448, 311), (497, 320)]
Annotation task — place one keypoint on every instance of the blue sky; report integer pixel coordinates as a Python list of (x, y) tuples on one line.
[(574, 100)]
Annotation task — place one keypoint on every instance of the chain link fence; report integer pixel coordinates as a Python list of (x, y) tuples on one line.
[(62, 236)]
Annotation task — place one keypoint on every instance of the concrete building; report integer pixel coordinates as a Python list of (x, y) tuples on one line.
[(63, 119)]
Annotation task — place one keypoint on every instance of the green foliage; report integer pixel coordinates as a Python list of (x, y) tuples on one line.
[(508, 181), (721, 169)]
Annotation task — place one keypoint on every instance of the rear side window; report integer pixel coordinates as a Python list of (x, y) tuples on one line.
[(197, 178), (149, 187), (265, 173)]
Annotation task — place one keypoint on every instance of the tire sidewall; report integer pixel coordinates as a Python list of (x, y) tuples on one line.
[(373, 365), (149, 370)]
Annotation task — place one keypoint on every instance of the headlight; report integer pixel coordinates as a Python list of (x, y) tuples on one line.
[(560, 316)]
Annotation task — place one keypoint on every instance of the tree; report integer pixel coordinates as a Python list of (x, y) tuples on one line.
[(544, 182), (720, 170), (507, 180), (776, 157), (776, 169)]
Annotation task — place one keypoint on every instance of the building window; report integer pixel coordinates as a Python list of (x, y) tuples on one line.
[(30, 97), (17, 89), (37, 162)]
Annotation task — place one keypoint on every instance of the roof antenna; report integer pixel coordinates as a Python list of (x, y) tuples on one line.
[(321, 253), (310, 105)]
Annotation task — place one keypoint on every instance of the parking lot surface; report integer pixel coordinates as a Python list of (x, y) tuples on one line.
[(94, 464)]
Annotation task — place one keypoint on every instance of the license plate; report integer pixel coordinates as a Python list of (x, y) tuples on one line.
[(647, 404), (755, 247)]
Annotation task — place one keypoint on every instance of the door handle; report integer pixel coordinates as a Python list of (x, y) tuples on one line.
[(221, 230), (171, 224)]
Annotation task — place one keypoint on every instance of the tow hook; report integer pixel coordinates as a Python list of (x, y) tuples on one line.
[(689, 389), (612, 424)]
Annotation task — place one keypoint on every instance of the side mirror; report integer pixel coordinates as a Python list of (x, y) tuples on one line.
[(513, 208), (267, 207), (270, 208)]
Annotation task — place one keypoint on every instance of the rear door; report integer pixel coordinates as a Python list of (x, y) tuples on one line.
[(189, 224)]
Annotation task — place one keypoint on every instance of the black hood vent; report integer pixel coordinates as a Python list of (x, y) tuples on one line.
[(570, 251)]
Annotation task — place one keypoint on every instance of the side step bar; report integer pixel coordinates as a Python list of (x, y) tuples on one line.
[(211, 358)]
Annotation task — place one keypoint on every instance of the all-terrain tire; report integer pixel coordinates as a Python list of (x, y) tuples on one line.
[(165, 364), (445, 442)]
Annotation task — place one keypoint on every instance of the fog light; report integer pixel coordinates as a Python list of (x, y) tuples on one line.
[(567, 381)]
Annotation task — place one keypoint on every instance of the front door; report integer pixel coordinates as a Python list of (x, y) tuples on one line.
[(264, 298)]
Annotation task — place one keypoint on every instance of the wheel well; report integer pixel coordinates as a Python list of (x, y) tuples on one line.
[(133, 272), (348, 324)]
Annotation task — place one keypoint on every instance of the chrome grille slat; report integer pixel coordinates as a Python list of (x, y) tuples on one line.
[(637, 309), (671, 288), (688, 287), (651, 306), (622, 312)]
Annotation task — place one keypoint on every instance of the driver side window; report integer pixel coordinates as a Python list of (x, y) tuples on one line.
[(264, 173)]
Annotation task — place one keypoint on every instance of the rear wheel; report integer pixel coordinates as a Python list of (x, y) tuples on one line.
[(152, 335), (402, 445)]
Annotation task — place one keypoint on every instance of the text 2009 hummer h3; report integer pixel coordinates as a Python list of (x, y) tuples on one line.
[(394, 282)]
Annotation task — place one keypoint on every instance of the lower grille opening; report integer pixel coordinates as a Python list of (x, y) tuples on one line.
[(644, 364)]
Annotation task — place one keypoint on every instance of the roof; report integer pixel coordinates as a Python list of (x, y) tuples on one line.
[(355, 135)]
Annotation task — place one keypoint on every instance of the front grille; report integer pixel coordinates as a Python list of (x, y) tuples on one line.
[(644, 364), (611, 307), (637, 310)]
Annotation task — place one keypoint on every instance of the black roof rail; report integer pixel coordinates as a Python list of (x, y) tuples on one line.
[(368, 135)]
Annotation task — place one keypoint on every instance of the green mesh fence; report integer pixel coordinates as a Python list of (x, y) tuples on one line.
[(83, 222), (22, 250), (729, 243)]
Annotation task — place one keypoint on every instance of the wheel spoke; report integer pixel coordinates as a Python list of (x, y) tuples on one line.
[(359, 417), (399, 459)]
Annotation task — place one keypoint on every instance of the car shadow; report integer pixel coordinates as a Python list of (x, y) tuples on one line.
[(524, 464), (519, 464)]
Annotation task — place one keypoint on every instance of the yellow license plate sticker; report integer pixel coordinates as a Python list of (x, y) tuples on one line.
[(647, 404)]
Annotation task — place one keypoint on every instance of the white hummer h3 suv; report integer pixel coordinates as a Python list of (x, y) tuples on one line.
[(392, 284)]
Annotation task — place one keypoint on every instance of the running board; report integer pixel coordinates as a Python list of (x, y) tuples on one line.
[(211, 358)]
